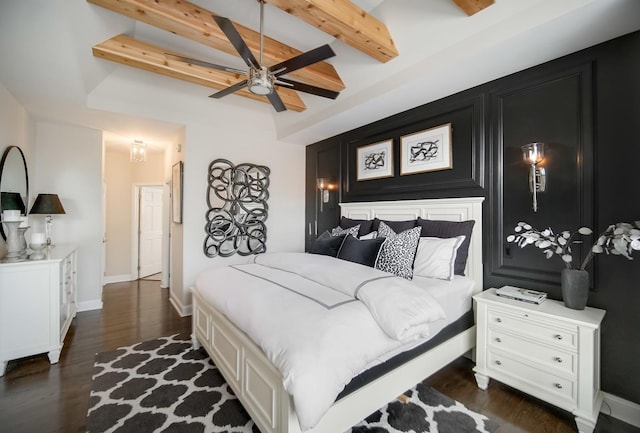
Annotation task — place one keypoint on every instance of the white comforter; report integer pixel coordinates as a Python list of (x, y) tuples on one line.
[(319, 320)]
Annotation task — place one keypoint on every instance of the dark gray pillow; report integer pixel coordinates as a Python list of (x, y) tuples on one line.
[(327, 245), (364, 252), (366, 226), (450, 229), (396, 226)]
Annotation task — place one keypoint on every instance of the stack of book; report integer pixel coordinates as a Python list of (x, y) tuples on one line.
[(519, 294)]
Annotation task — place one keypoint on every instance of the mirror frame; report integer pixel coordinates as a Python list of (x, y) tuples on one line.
[(5, 155)]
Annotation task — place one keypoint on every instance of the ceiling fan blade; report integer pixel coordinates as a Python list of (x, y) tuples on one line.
[(305, 59), (236, 40), (275, 100), (229, 90), (207, 64), (307, 88)]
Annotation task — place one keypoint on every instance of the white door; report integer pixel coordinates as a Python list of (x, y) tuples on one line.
[(150, 230)]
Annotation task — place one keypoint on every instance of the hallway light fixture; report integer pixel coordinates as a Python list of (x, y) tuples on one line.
[(138, 151), (533, 154)]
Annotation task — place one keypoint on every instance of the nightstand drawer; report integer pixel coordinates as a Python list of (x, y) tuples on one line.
[(558, 333), (552, 357), (538, 382)]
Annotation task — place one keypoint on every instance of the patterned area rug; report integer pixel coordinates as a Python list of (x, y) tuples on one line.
[(164, 386)]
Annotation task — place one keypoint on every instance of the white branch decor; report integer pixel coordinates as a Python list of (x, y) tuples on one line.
[(617, 239)]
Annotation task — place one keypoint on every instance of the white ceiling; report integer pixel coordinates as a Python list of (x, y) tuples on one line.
[(47, 64)]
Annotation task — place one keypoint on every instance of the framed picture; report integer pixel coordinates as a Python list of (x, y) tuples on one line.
[(375, 160), (176, 192), (428, 150)]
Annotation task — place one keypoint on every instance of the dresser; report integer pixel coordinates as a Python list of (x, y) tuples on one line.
[(548, 351), (37, 303)]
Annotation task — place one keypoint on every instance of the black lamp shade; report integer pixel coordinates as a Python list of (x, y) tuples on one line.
[(47, 204), (11, 201)]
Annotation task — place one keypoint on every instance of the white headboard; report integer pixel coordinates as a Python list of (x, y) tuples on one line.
[(448, 209)]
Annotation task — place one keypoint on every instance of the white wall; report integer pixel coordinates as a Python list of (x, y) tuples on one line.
[(68, 162), (231, 128)]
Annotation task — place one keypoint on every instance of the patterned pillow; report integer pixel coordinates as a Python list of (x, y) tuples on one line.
[(339, 231), (399, 250)]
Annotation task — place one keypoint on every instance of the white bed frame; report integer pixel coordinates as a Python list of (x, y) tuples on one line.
[(258, 384)]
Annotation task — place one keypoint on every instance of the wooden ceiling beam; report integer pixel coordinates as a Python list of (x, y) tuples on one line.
[(195, 23), (131, 52), (471, 7), (345, 21)]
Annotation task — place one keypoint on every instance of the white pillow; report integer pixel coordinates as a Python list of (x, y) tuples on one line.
[(436, 257), (371, 235)]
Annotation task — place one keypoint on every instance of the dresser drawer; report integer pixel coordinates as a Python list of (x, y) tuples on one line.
[(564, 362), (539, 382), (543, 329)]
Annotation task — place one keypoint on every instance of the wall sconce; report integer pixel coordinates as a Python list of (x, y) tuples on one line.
[(324, 186), (138, 151), (533, 154)]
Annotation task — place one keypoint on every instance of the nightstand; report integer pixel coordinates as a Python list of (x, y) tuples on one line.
[(548, 351)]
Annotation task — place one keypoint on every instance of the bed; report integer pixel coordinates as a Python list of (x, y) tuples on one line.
[(259, 384)]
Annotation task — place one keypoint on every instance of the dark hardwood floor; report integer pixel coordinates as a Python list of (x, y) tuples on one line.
[(38, 397)]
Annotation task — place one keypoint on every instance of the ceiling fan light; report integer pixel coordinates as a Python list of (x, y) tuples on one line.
[(260, 81)]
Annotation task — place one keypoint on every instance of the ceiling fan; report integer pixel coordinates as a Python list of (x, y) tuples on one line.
[(261, 79)]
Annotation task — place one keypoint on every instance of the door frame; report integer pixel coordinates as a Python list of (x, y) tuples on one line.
[(135, 224)]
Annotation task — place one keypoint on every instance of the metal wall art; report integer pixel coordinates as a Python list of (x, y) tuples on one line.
[(428, 150), (375, 160), (237, 201)]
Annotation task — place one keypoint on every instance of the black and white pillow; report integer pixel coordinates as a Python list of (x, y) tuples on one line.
[(399, 250), (339, 231)]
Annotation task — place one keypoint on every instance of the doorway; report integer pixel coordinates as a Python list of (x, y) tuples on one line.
[(148, 213)]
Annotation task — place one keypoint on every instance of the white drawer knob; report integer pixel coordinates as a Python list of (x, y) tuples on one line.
[(558, 359), (558, 337), (558, 385), (499, 320), (498, 362), (498, 340)]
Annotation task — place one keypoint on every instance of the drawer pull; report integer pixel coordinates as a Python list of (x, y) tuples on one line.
[(498, 340), (499, 320), (558, 337), (498, 362), (558, 385), (558, 359)]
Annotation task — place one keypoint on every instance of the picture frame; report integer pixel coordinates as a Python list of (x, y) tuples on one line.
[(427, 150), (176, 192), (375, 161)]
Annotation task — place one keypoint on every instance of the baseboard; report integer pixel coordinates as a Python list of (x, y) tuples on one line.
[(118, 278), (95, 304), (183, 310), (621, 409)]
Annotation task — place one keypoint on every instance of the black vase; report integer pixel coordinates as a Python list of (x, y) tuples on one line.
[(575, 288)]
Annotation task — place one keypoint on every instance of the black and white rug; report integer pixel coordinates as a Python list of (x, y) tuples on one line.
[(164, 386)]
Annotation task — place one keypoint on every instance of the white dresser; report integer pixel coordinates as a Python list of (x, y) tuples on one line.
[(37, 303), (548, 351)]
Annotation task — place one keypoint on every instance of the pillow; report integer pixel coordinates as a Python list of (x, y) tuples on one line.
[(364, 252), (398, 252), (327, 245), (366, 226), (450, 229), (337, 231), (371, 235), (396, 226), (436, 257)]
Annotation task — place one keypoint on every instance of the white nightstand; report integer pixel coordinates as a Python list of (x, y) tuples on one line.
[(548, 351)]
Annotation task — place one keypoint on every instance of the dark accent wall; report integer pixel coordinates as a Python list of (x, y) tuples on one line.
[(586, 108)]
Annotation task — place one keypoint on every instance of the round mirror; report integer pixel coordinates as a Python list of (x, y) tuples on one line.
[(14, 179)]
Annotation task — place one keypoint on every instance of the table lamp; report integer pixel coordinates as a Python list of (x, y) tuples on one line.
[(47, 204)]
